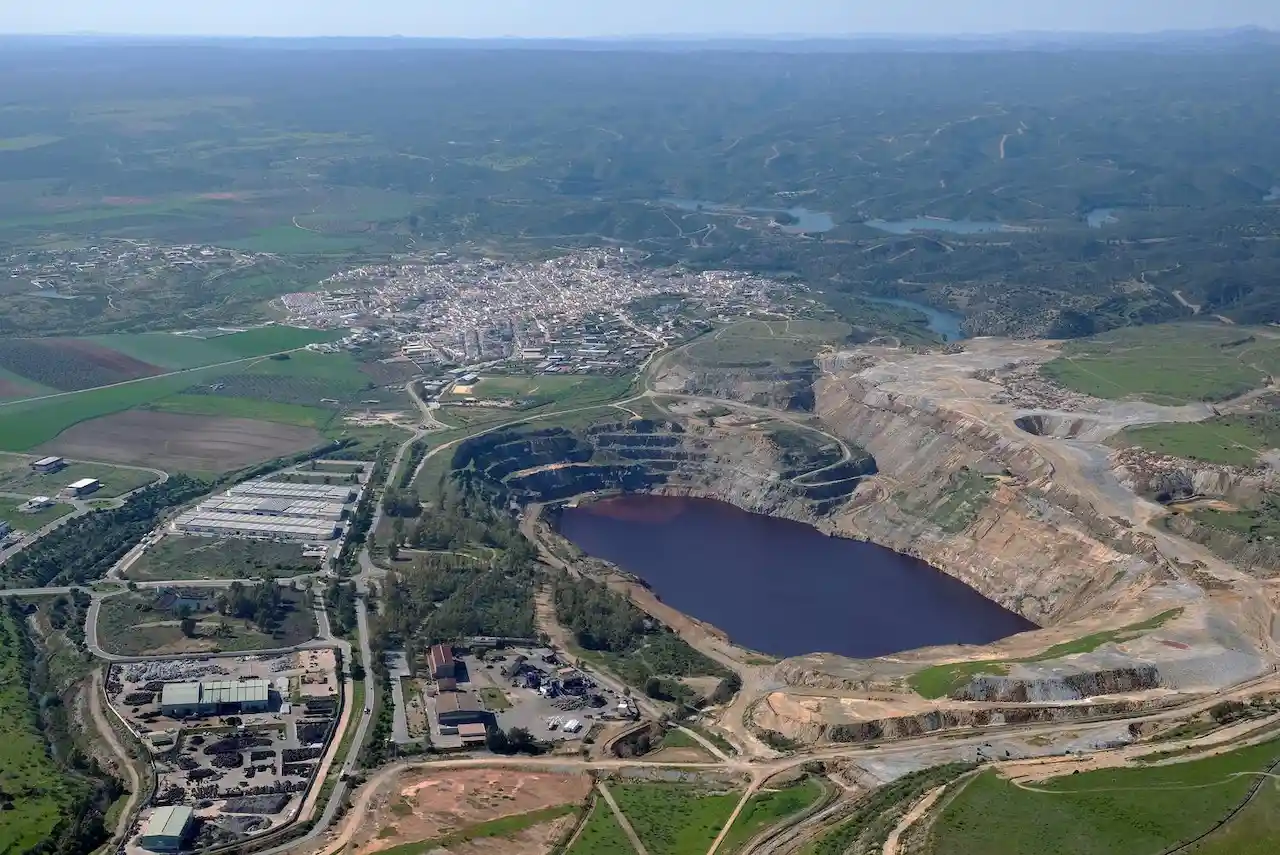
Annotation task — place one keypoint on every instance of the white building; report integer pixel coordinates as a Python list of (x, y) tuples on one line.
[(296, 529), (284, 490)]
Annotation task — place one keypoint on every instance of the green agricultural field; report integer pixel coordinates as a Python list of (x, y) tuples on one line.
[(1169, 363), (116, 480), (674, 819), (137, 624), (768, 808), (1235, 440), (176, 352), (1254, 831), (175, 557), (245, 408), (22, 521), (941, 680), (766, 344), (27, 424), (33, 794), (1139, 810), (292, 240), (601, 835)]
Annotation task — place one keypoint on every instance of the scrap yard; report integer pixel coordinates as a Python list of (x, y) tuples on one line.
[(236, 741)]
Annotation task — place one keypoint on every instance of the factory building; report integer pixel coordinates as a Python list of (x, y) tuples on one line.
[(167, 829), (216, 697), (459, 708), (45, 465), (443, 665), (84, 486), (309, 508), (296, 529), (284, 490)]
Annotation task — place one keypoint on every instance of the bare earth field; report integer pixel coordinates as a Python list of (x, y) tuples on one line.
[(425, 805), (179, 442)]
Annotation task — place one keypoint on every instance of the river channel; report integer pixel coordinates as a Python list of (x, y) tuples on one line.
[(782, 587)]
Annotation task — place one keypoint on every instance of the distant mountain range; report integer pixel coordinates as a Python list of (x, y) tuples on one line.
[(1166, 41)]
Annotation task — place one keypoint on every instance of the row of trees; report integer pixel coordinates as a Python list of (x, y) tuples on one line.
[(263, 604)]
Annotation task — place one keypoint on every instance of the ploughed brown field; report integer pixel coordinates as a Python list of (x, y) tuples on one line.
[(177, 443)]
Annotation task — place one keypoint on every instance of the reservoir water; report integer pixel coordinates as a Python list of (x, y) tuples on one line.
[(945, 324), (931, 224), (805, 221), (782, 587)]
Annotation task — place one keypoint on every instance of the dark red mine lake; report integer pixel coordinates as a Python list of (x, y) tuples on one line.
[(782, 587)]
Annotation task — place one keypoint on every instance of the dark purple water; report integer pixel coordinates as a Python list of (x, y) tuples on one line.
[(782, 587)]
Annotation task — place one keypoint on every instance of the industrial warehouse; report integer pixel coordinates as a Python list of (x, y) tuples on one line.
[(216, 697), (271, 510)]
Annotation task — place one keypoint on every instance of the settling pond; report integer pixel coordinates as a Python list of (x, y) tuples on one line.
[(782, 587)]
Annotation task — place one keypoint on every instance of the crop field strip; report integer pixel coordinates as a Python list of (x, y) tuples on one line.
[(26, 424)]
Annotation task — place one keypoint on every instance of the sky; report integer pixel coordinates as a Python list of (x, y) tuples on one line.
[(592, 18)]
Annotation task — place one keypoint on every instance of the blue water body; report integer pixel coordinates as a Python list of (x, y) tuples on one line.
[(1100, 217), (807, 222), (926, 224), (945, 324), (782, 587)]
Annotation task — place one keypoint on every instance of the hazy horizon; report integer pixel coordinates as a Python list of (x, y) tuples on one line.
[(578, 19)]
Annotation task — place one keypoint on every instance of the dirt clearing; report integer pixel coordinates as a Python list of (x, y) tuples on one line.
[(425, 805), (180, 443)]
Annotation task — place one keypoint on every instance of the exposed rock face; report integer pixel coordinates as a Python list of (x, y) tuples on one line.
[(1067, 687), (1028, 544), (743, 465)]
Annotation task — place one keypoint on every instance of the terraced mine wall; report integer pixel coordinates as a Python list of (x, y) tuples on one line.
[(918, 725), (979, 506), (1187, 487), (744, 467)]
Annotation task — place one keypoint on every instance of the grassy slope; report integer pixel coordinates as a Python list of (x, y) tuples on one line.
[(602, 835), (673, 819), (1212, 363), (1234, 440), (123, 627), (767, 809), (941, 680), (1255, 831), (26, 772), (1144, 810)]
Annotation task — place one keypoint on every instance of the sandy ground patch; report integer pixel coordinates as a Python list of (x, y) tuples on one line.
[(537, 840), (422, 805), (676, 755), (180, 442)]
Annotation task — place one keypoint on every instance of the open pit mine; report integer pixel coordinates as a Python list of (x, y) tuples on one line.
[(972, 462)]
